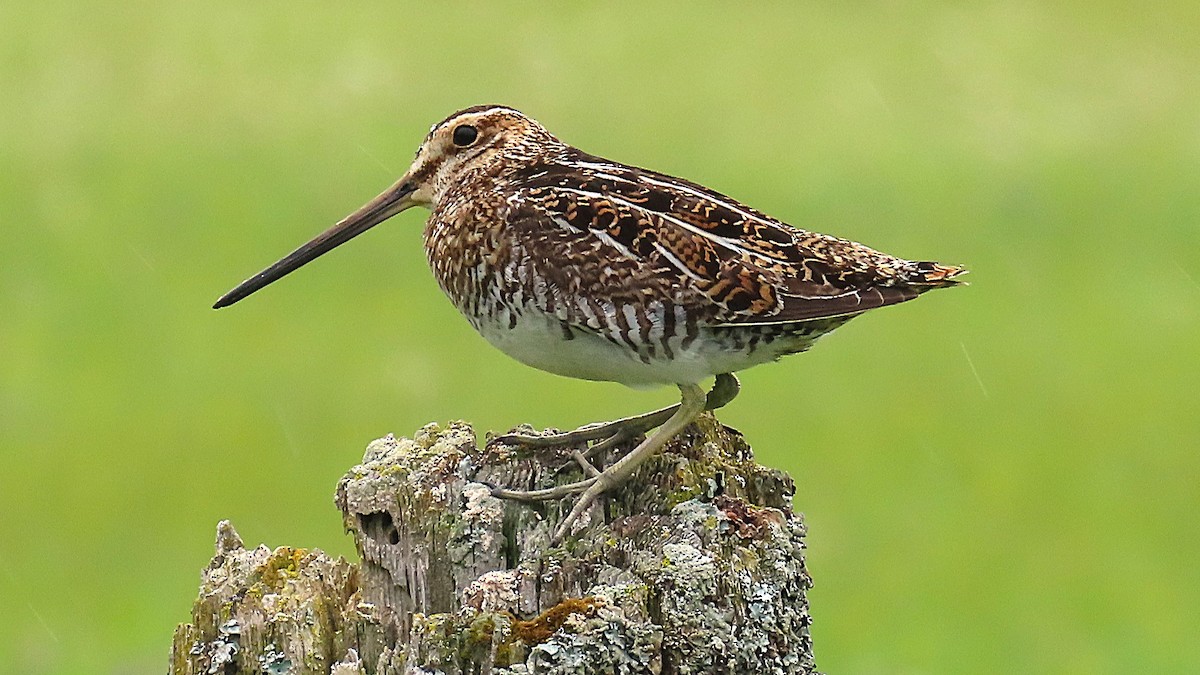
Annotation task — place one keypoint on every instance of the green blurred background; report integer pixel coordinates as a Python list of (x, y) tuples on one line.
[(1001, 478)]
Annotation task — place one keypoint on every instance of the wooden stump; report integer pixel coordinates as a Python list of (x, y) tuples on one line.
[(695, 566)]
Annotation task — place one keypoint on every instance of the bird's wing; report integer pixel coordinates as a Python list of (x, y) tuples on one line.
[(740, 266)]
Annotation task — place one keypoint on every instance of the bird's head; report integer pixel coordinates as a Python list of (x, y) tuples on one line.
[(483, 139)]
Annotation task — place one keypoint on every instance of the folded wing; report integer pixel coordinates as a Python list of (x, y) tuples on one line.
[(620, 231)]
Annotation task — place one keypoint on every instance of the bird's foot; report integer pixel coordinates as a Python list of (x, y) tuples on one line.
[(604, 436), (557, 492), (591, 488), (607, 434), (674, 420), (593, 440)]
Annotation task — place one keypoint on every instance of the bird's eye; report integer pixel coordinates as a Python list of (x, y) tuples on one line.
[(464, 135)]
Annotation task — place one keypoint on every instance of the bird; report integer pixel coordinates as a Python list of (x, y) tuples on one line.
[(598, 270)]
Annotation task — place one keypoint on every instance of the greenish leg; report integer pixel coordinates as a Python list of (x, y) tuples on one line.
[(685, 413), (725, 388), (693, 403)]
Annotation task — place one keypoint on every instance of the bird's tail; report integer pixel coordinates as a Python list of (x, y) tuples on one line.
[(936, 275)]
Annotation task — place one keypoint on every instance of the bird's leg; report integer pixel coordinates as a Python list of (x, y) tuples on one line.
[(725, 388), (692, 404), (557, 492), (622, 429), (583, 463)]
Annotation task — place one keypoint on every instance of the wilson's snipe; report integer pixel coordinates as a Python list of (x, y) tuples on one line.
[(592, 269)]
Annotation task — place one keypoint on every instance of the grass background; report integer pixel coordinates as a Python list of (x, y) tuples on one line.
[(1002, 478)]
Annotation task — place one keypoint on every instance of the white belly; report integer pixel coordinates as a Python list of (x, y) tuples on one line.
[(540, 341)]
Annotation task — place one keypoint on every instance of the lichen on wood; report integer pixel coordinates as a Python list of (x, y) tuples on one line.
[(695, 566)]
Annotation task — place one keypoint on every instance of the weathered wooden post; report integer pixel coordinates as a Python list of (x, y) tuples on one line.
[(695, 566)]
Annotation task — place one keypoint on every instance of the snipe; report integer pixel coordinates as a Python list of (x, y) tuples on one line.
[(593, 269)]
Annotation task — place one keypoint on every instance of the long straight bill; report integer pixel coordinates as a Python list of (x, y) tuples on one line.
[(392, 201)]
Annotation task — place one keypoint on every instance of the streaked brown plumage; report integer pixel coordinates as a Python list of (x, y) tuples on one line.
[(593, 269)]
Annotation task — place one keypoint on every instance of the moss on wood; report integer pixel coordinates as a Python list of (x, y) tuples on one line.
[(696, 566)]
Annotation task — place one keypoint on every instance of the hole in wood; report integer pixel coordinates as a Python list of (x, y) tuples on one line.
[(379, 527)]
